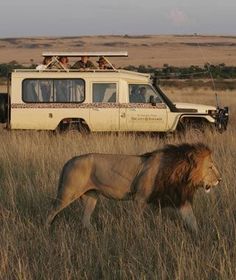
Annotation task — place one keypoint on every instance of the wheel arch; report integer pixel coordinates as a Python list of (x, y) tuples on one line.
[(197, 120), (73, 123)]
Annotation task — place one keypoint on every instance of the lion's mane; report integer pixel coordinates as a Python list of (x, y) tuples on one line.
[(179, 173)]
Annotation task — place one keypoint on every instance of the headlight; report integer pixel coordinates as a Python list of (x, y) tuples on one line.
[(212, 113)]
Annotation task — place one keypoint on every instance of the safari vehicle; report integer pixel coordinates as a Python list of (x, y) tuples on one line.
[(97, 100)]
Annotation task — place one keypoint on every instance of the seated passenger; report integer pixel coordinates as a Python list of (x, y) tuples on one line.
[(138, 95), (64, 61), (84, 63), (102, 64), (45, 64)]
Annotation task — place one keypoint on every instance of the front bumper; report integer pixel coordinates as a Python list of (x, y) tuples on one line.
[(222, 118)]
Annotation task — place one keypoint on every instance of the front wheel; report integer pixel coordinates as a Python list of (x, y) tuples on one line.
[(187, 126)]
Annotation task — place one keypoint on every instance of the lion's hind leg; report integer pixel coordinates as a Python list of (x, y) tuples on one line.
[(73, 183), (89, 201), (57, 207), (63, 200)]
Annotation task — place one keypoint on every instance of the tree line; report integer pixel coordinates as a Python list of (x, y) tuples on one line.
[(220, 71), (6, 68)]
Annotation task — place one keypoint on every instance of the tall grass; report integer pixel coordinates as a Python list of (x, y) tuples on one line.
[(122, 246)]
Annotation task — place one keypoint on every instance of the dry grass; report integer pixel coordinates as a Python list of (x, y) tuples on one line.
[(122, 246)]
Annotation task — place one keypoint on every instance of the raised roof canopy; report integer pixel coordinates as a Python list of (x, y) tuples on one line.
[(90, 54)]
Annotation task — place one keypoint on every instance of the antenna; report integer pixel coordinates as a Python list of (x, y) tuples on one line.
[(208, 69)]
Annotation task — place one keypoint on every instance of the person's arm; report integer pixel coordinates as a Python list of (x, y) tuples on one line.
[(91, 65)]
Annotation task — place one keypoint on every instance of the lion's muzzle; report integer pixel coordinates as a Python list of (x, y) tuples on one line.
[(208, 187)]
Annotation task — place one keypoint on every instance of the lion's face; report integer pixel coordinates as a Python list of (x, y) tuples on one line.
[(210, 175)]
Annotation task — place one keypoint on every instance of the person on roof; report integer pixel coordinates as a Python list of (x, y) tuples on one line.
[(103, 64), (64, 62), (84, 63), (45, 64)]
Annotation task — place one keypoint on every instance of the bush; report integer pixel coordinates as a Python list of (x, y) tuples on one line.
[(167, 71)]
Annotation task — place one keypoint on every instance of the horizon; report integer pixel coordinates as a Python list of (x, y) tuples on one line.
[(121, 35)]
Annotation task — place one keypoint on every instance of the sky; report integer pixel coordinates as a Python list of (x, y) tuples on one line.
[(26, 18)]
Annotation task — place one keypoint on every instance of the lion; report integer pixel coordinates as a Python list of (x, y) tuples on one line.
[(166, 177)]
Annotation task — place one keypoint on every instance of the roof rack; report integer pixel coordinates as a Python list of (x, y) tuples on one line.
[(90, 54)]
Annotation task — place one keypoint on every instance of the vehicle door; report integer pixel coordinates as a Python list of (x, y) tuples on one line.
[(104, 111), (145, 110)]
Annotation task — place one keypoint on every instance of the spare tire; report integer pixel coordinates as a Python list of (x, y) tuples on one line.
[(3, 107)]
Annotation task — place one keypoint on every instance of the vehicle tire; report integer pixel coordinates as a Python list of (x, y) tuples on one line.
[(75, 126), (191, 125), (83, 128), (3, 107)]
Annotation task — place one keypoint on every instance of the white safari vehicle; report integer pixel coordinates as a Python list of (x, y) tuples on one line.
[(96, 100)]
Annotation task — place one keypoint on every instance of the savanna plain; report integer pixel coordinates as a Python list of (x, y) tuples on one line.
[(122, 245)]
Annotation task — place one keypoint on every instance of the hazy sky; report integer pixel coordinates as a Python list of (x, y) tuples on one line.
[(91, 17)]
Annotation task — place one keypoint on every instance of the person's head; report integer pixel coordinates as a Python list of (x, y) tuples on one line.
[(47, 60), (142, 90), (84, 58), (101, 62), (64, 59)]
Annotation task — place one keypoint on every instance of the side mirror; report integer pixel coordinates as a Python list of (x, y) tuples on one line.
[(152, 100)]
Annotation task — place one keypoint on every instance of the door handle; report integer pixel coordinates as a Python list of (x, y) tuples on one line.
[(122, 115)]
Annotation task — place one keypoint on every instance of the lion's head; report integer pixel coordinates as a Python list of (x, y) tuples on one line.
[(190, 165), (182, 169), (205, 173)]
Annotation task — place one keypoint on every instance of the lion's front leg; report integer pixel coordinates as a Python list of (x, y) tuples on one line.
[(186, 212)]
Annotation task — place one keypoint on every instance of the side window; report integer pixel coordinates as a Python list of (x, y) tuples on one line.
[(62, 90), (30, 91), (53, 90), (78, 92), (104, 92), (141, 93), (45, 90)]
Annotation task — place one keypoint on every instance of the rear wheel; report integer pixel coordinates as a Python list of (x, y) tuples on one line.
[(73, 125), (83, 128)]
